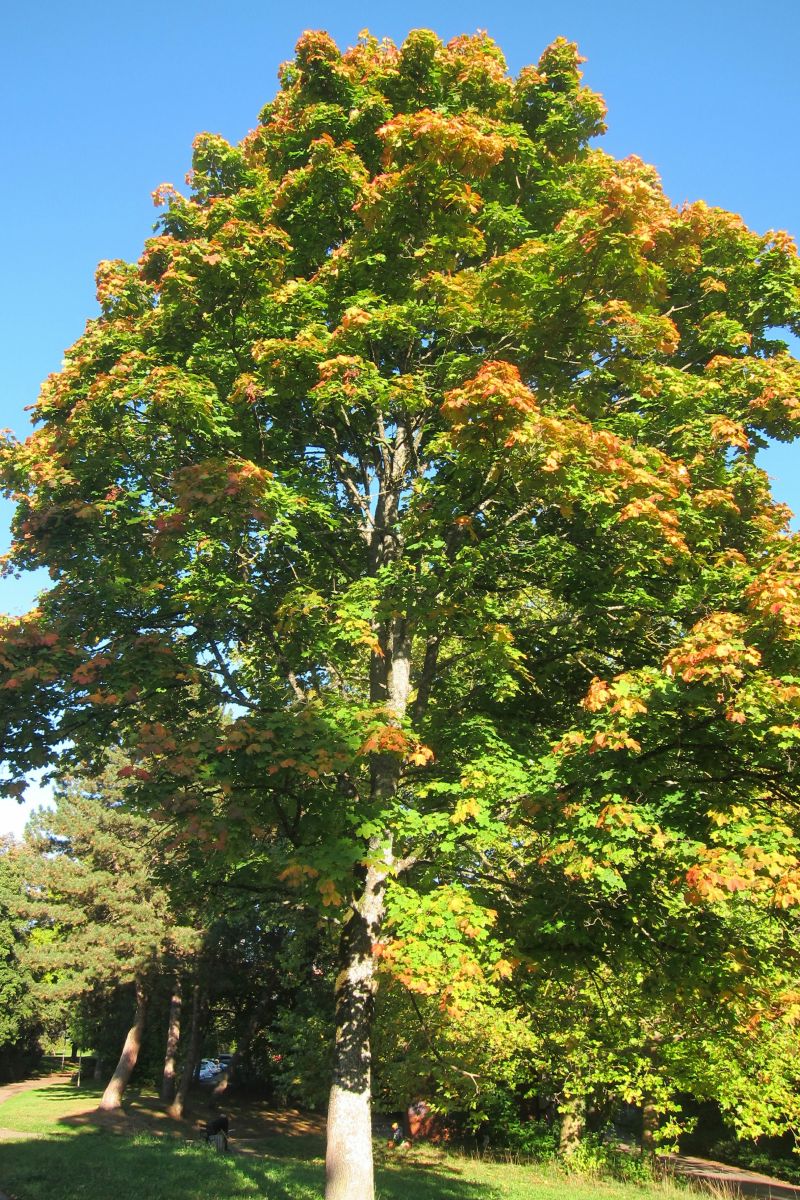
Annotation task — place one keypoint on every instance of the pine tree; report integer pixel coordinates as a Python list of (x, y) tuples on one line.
[(102, 918), (19, 1023)]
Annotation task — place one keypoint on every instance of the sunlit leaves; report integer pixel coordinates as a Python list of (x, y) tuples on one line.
[(403, 494)]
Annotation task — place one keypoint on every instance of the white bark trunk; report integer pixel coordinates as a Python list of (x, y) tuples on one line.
[(348, 1163)]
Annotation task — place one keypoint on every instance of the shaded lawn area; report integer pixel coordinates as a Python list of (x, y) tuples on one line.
[(59, 1152)]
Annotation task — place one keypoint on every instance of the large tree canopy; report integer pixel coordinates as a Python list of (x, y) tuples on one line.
[(404, 525)]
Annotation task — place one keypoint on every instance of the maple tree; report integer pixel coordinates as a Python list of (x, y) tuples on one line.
[(587, 988), (401, 504)]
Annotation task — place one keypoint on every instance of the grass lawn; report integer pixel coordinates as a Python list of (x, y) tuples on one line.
[(50, 1148)]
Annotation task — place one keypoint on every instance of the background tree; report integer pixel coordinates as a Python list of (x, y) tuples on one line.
[(92, 891), (19, 1018), (423, 436), (271, 997), (595, 992)]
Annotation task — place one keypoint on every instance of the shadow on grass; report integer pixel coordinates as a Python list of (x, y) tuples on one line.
[(100, 1165), (139, 1153), (97, 1164), (67, 1091), (425, 1182), (57, 1091)]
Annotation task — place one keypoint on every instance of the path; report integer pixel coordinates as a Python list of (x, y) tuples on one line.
[(26, 1085), (733, 1179)]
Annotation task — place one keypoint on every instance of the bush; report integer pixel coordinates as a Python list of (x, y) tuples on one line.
[(500, 1125), (594, 1155)]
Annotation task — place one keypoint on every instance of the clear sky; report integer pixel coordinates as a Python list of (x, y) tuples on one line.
[(101, 101)]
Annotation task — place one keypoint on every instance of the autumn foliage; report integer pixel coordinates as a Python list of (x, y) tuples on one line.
[(402, 508)]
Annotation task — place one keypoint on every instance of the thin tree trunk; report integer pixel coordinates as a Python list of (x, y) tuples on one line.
[(255, 1023), (173, 1038), (112, 1096), (179, 1103), (650, 1114), (348, 1162)]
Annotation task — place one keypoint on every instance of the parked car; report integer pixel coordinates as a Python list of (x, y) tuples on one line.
[(210, 1070)]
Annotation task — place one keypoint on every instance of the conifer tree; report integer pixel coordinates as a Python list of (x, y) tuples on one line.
[(102, 917), (19, 1022)]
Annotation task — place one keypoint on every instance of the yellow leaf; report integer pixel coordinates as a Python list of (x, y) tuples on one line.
[(469, 807)]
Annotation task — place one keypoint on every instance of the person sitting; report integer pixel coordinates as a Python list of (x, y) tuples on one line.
[(216, 1133), (398, 1140)]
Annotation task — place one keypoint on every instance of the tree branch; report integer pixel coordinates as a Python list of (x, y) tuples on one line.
[(233, 687)]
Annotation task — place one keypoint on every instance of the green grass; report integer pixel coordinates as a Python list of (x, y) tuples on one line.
[(46, 1110), (70, 1159)]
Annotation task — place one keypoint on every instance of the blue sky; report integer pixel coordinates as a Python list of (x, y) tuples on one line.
[(101, 102)]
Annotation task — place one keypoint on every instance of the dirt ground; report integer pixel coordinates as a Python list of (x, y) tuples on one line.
[(249, 1120)]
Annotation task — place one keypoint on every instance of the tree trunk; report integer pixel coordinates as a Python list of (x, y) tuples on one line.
[(348, 1162), (254, 1024), (573, 1123), (649, 1127), (650, 1114), (173, 1037), (179, 1103), (112, 1096)]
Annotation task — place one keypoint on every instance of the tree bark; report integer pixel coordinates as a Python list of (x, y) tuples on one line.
[(112, 1096), (348, 1162), (173, 1038), (649, 1127), (179, 1103), (573, 1123), (650, 1114)]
